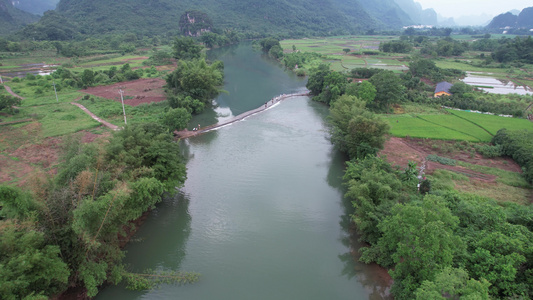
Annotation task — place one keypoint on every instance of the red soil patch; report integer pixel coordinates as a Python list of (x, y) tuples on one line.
[(44, 153), (136, 92), (24, 158), (400, 151)]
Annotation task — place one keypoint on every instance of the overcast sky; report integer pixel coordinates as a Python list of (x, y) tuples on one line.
[(455, 8)]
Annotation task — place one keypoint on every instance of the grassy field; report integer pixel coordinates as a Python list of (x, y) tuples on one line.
[(457, 125), (111, 111), (57, 117), (493, 123), (56, 120)]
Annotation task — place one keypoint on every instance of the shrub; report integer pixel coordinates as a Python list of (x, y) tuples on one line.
[(490, 151), (441, 160)]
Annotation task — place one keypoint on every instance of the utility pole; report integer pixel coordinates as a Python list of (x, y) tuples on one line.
[(55, 91), (123, 109), (1, 81)]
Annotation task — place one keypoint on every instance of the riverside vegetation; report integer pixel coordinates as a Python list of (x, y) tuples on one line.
[(66, 230), (437, 242)]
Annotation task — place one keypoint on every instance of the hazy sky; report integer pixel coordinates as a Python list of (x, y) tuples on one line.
[(455, 8)]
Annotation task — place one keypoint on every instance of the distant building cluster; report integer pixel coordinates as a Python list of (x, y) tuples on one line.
[(419, 26)]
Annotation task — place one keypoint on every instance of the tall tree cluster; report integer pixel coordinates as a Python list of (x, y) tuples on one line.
[(67, 230), (195, 82)]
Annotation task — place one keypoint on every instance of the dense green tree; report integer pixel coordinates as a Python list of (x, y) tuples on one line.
[(87, 77), (500, 257), (315, 83), (193, 106), (364, 72), (373, 189), (186, 48), (389, 89), (455, 284), (29, 268), (397, 46), (197, 79), (16, 204), (333, 86), (517, 49), (176, 118), (7, 103), (276, 52), (355, 130), (423, 67), (366, 91), (268, 43), (460, 88), (147, 146), (421, 241)]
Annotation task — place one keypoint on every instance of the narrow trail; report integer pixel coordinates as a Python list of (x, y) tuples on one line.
[(105, 123), (185, 134), (8, 89)]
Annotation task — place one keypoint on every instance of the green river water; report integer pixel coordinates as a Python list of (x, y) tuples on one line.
[(262, 214)]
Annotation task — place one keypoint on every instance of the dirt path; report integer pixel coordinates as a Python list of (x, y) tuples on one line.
[(184, 134), (105, 123), (15, 122), (8, 89)]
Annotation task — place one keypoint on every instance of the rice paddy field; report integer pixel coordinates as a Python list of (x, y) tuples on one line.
[(455, 125), (332, 49)]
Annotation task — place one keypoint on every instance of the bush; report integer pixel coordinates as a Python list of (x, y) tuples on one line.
[(441, 160), (490, 151), (517, 144)]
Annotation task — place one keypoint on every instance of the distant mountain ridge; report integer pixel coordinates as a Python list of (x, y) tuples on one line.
[(509, 20), (293, 17), (418, 15), (256, 17), (37, 7), (12, 18)]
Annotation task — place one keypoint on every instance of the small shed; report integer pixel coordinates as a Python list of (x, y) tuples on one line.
[(443, 89)]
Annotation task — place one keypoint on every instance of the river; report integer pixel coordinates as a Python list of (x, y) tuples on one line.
[(262, 214)]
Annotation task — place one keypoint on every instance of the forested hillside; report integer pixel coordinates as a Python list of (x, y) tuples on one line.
[(417, 14), (37, 7), (12, 18), (388, 12), (257, 18)]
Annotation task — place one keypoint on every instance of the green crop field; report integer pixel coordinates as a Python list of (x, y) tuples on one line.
[(453, 123), (494, 123), (412, 126), (332, 49), (458, 125)]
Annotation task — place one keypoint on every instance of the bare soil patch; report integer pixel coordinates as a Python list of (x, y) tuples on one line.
[(400, 151), (136, 92), (24, 153)]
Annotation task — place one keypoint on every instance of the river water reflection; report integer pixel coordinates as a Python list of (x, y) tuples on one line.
[(262, 214)]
